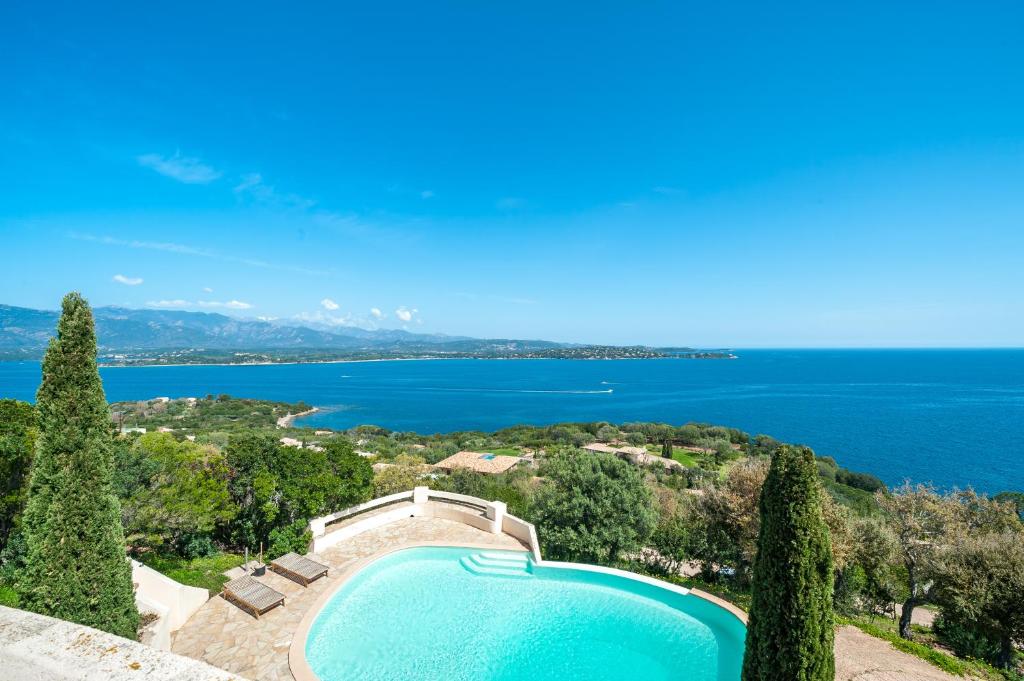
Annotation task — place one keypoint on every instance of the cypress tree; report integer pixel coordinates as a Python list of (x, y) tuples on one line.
[(790, 631), (75, 565)]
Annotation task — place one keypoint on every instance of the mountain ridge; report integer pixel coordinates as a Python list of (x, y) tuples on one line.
[(144, 336)]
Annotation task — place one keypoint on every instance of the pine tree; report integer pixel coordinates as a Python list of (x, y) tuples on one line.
[(75, 563), (791, 630)]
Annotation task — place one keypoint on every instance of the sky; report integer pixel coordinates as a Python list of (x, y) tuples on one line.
[(689, 174)]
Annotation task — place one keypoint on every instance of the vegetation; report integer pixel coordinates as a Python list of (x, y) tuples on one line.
[(791, 629), (220, 480), (211, 414), (75, 566), (592, 508), (17, 444), (205, 572)]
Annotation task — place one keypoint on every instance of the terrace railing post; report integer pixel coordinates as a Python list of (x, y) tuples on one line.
[(496, 514), (420, 495)]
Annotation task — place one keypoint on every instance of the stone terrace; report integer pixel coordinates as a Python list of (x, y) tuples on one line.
[(225, 636)]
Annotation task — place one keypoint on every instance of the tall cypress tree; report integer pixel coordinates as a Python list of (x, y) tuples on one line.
[(75, 563), (790, 631)]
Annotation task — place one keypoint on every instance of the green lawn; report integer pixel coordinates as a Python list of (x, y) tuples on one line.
[(205, 573), (681, 455), (505, 451)]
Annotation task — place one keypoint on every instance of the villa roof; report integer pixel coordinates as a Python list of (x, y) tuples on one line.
[(600, 447), (481, 462)]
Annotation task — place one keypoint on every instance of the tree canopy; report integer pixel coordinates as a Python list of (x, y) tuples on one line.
[(75, 564), (790, 631), (592, 508)]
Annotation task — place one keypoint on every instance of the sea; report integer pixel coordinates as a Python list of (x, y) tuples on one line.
[(954, 418)]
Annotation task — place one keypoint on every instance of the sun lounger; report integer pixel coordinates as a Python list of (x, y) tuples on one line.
[(298, 568), (251, 595)]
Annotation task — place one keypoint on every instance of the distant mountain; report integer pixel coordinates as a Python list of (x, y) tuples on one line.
[(127, 336), (25, 332)]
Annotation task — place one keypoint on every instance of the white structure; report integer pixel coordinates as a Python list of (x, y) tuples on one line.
[(489, 516), (39, 648), (172, 601)]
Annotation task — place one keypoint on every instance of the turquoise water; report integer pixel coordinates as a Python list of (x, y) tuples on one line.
[(954, 417), (452, 613)]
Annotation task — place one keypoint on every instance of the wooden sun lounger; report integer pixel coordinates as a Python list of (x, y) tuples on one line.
[(251, 595), (298, 568)]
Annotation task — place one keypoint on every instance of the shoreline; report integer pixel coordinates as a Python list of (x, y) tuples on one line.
[(407, 359), (287, 420)]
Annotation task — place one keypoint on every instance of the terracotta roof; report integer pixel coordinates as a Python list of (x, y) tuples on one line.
[(481, 462)]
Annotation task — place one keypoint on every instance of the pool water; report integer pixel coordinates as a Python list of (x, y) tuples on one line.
[(458, 613)]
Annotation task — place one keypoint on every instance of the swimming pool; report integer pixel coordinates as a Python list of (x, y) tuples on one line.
[(462, 613)]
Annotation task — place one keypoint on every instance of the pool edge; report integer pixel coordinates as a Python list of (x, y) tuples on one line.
[(301, 671)]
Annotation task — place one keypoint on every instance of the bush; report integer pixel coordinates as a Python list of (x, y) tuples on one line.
[(294, 537), (965, 638), (197, 546)]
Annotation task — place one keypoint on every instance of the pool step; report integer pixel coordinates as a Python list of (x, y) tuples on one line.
[(499, 564)]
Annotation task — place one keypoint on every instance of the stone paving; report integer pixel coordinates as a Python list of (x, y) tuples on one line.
[(224, 636)]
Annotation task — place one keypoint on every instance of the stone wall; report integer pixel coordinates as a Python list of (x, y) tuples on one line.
[(39, 648)]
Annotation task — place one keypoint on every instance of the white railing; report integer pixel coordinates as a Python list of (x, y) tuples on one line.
[(319, 525), (489, 516)]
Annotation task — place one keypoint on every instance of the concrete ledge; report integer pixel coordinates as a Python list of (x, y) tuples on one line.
[(39, 648), (722, 603)]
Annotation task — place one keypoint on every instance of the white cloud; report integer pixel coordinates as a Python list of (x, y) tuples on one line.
[(329, 304), (320, 317), (427, 194), (231, 304), (207, 289), (127, 281), (169, 303), (377, 314), (405, 314), (253, 187), (181, 168)]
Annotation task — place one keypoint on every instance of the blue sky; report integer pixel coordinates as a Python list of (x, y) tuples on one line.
[(734, 175)]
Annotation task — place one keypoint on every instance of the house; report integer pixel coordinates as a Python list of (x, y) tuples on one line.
[(637, 455), (323, 432), (291, 442), (600, 447), (481, 462), (133, 430)]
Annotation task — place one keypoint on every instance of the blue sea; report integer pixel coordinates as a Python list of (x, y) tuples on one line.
[(952, 417)]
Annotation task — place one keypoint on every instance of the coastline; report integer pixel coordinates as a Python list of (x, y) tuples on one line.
[(407, 359), (287, 420)]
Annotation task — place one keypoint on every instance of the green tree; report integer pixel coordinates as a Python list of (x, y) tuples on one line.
[(17, 441), (404, 474), (592, 508), (980, 584), (75, 566), (927, 524), (187, 498), (791, 630)]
